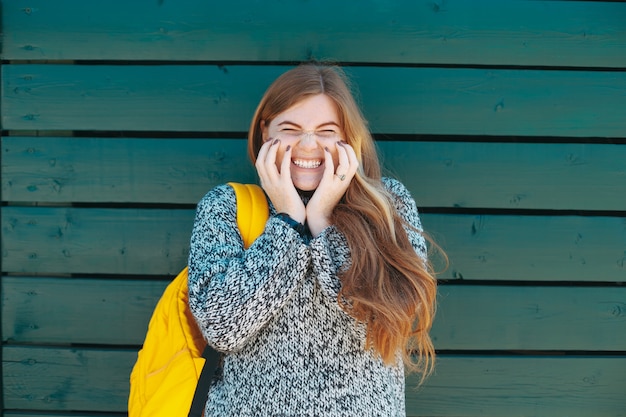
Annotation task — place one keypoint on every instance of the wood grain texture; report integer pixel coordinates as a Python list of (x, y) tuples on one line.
[(125, 241), (457, 101), (510, 175), (97, 380), (483, 32), (156, 241), (61, 311), (540, 386), (478, 317), (532, 318), (76, 379), (62, 414), (120, 170), (438, 174), (531, 248)]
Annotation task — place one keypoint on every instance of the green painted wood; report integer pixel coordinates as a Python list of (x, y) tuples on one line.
[(38, 378), (539, 386), (120, 170), (61, 414), (64, 379), (439, 174), (62, 311), (223, 98), (168, 97), (510, 175), (66, 240), (156, 241), (445, 32), (531, 248), (530, 318), (67, 414)]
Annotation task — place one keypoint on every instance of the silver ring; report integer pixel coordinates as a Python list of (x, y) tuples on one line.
[(341, 177)]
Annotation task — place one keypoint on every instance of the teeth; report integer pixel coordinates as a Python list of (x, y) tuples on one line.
[(307, 163)]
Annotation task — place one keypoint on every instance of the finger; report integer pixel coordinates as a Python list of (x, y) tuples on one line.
[(266, 166), (329, 164), (270, 159), (260, 160), (344, 162), (263, 151), (285, 166), (353, 161)]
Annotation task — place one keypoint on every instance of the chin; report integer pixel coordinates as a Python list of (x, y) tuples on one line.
[(306, 188), (306, 185)]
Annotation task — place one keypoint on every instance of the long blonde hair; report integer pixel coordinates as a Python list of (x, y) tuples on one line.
[(388, 286)]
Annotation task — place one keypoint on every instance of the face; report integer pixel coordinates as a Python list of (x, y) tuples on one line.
[(308, 127)]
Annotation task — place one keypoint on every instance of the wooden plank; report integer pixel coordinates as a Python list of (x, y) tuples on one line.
[(481, 32), (64, 379), (439, 174), (510, 175), (156, 241), (223, 98), (476, 317), (120, 170), (164, 97), (64, 310), (531, 248), (541, 386), (38, 378), (67, 414), (37, 310), (118, 241)]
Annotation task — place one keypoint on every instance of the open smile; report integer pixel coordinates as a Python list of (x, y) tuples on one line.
[(307, 163)]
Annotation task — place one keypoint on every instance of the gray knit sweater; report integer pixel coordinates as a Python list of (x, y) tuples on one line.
[(290, 350)]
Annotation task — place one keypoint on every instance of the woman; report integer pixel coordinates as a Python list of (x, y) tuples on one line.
[(323, 312)]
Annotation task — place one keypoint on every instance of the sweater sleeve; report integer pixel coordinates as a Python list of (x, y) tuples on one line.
[(330, 256), (234, 292)]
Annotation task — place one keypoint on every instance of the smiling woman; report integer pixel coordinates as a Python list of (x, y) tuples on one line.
[(324, 310), (306, 149)]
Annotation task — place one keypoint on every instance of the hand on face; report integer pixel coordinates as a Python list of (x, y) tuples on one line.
[(332, 187), (303, 150), (278, 184)]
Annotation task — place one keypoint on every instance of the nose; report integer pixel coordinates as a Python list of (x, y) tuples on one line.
[(308, 141)]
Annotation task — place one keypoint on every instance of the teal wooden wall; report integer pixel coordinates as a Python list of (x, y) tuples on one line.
[(506, 119)]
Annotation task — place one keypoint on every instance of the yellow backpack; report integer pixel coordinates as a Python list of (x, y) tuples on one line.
[(165, 378)]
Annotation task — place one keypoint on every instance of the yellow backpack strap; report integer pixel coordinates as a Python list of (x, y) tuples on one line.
[(252, 211)]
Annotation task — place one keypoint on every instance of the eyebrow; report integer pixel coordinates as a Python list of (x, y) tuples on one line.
[(287, 122)]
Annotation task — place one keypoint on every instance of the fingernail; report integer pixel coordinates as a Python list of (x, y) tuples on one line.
[(288, 147), (326, 149), (343, 142), (275, 141)]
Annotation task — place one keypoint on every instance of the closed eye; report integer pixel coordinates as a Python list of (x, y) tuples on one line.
[(326, 133)]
